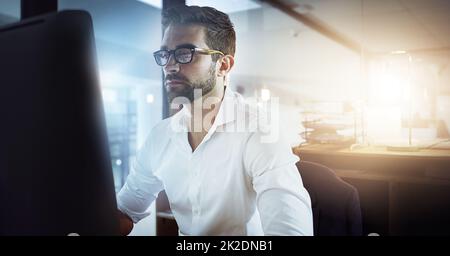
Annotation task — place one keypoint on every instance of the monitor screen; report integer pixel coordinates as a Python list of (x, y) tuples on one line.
[(55, 168)]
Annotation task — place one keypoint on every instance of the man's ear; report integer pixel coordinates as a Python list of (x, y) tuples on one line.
[(226, 63)]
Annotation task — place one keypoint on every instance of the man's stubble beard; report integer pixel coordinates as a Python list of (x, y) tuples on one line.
[(188, 88)]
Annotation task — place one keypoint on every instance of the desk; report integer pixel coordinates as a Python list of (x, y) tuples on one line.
[(401, 193)]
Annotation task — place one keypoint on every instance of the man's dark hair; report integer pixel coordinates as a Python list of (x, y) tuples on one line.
[(219, 31)]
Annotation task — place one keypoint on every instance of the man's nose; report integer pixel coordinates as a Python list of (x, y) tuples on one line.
[(172, 66)]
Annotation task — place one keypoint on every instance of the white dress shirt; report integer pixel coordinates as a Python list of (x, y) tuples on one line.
[(234, 183)]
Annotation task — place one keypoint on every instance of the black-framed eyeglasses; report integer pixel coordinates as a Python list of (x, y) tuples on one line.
[(182, 55)]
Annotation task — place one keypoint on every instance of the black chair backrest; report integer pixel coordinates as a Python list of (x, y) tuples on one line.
[(335, 203)]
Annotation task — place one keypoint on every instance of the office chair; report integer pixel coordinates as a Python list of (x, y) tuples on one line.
[(335, 203)]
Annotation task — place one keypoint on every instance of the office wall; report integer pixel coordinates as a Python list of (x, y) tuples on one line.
[(300, 65)]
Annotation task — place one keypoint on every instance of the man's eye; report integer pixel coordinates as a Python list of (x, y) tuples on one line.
[(183, 51), (184, 55)]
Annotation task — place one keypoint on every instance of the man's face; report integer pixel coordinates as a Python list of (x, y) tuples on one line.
[(180, 80)]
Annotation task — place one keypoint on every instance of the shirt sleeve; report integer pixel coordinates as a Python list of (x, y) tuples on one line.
[(141, 187), (283, 203)]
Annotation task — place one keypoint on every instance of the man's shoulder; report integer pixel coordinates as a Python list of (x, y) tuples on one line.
[(256, 120)]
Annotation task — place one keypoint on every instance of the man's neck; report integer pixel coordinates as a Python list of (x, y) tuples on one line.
[(204, 110)]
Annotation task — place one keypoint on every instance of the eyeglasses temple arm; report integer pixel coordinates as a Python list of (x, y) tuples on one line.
[(208, 51)]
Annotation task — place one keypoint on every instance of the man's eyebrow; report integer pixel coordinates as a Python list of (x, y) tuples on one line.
[(179, 46), (186, 46)]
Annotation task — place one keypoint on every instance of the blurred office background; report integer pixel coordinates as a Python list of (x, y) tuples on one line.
[(378, 67)]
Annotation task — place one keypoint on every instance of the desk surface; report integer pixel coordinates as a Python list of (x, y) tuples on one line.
[(365, 175), (370, 162), (374, 151)]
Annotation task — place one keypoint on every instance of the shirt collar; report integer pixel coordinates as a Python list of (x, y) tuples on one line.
[(226, 114), (227, 109)]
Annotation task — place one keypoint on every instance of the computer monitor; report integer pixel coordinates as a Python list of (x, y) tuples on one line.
[(55, 168)]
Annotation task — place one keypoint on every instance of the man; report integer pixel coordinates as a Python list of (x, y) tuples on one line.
[(219, 180)]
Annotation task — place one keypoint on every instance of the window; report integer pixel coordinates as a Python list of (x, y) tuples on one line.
[(126, 34), (9, 11)]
